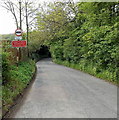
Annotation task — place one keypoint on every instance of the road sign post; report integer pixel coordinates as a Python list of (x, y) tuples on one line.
[(18, 42), (18, 34)]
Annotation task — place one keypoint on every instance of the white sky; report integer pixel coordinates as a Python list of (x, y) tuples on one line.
[(7, 22)]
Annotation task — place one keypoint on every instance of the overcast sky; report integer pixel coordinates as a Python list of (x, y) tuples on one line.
[(7, 22)]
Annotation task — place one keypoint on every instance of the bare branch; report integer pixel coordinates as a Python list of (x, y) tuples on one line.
[(10, 7)]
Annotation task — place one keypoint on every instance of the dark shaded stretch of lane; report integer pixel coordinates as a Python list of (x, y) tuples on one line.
[(61, 92)]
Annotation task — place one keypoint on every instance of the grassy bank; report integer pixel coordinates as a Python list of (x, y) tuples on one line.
[(91, 69), (19, 78)]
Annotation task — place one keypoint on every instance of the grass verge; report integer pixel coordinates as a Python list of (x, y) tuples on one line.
[(92, 70), (19, 78)]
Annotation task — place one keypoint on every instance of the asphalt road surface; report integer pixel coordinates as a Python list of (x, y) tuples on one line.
[(62, 92)]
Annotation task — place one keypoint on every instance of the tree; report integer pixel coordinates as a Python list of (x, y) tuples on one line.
[(10, 6), (26, 10)]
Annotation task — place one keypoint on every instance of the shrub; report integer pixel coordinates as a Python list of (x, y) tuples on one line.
[(5, 66)]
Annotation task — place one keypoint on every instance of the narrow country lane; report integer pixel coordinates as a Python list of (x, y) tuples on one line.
[(61, 92)]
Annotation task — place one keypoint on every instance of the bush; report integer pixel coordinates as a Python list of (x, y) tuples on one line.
[(5, 66), (57, 51)]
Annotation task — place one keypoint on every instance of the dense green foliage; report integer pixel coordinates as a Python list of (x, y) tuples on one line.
[(83, 35), (19, 78), (5, 66)]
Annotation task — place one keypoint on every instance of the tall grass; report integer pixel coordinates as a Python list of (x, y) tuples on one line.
[(90, 68)]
